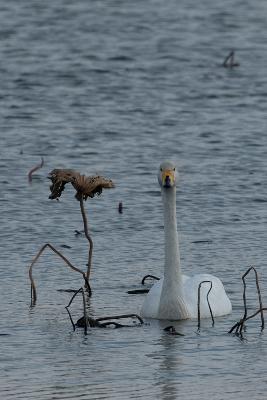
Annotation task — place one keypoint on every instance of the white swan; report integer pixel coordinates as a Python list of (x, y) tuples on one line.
[(175, 296)]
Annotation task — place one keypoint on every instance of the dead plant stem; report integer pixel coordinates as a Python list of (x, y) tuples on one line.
[(88, 237)]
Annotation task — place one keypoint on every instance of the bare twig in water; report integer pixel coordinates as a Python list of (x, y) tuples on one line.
[(198, 303), (239, 326), (149, 276), (258, 291), (35, 169), (229, 61), (33, 287), (141, 291)]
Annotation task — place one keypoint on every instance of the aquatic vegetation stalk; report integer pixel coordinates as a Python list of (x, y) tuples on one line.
[(238, 327), (258, 291), (198, 303), (88, 237), (84, 310)]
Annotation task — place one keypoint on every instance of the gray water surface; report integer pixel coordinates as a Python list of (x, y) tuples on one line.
[(116, 87)]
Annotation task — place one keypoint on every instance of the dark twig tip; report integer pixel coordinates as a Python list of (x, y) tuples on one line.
[(149, 276), (38, 166)]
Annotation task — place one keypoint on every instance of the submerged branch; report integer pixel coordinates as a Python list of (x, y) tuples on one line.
[(103, 322)]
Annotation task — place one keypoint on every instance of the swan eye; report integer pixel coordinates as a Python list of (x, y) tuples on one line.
[(161, 169), (174, 168)]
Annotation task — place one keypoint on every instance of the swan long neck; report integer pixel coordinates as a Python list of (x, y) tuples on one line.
[(172, 302), (172, 270)]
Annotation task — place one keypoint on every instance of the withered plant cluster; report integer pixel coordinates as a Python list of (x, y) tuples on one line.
[(85, 187)]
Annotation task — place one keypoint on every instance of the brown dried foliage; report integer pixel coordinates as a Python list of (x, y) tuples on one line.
[(85, 186)]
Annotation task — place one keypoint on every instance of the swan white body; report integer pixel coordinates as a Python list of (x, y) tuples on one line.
[(175, 296)]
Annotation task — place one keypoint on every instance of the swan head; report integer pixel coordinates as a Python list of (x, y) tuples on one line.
[(167, 175)]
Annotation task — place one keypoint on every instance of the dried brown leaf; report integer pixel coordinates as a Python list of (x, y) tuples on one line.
[(85, 186)]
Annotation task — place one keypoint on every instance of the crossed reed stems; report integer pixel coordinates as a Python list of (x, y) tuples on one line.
[(239, 326)]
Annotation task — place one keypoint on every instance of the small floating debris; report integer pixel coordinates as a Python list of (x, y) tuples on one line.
[(77, 233), (65, 246), (172, 331), (260, 200), (229, 61), (120, 207), (138, 291), (35, 169), (209, 241)]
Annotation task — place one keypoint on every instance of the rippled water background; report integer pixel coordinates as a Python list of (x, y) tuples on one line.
[(115, 87)]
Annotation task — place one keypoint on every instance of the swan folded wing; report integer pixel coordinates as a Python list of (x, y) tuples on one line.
[(218, 299), (150, 306)]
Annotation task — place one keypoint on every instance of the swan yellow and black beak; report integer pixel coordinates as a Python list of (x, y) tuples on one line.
[(168, 178)]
